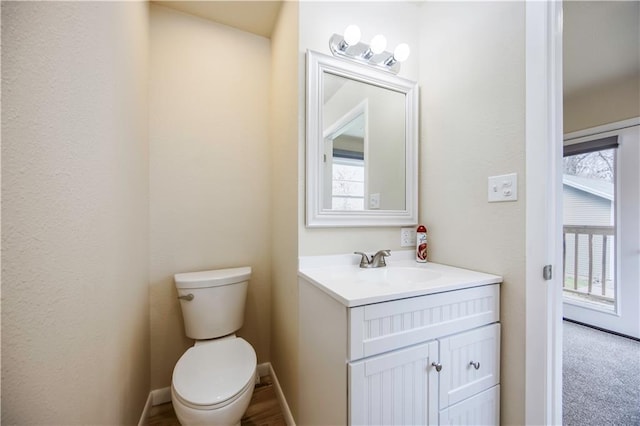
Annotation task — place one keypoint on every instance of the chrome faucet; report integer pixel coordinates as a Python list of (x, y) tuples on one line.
[(376, 261)]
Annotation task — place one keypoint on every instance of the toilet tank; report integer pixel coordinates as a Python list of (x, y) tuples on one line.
[(217, 305)]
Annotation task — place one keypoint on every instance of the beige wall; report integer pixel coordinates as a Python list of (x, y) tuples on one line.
[(75, 317), (602, 104), (222, 185), (473, 109), (316, 21), (469, 61), (209, 172), (398, 21), (283, 135), (601, 63)]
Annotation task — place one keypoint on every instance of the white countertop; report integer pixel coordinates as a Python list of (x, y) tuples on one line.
[(340, 277)]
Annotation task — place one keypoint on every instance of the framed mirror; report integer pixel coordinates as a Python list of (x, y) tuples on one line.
[(362, 145)]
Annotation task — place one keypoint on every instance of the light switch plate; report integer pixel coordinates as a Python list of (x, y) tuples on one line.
[(503, 188), (407, 237)]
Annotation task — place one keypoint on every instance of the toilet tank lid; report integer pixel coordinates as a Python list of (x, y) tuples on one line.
[(213, 278)]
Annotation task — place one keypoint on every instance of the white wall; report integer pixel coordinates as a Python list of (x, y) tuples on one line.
[(75, 306), (472, 85), (209, 172), (399, 23)]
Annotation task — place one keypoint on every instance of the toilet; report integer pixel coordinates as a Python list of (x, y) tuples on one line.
[(213, 380)]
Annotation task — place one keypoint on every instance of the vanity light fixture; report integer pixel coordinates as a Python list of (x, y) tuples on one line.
[(374, 54)]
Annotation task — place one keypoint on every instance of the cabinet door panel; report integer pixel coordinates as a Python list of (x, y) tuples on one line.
[(397, 388), (459, 378), (481, 409)]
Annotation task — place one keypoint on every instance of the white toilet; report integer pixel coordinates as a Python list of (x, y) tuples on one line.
[(213, 381)]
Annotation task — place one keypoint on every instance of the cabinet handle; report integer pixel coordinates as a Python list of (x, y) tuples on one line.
[(475, 365), (437, 365)]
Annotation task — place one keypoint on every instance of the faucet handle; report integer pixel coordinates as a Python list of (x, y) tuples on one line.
[(364, 261)]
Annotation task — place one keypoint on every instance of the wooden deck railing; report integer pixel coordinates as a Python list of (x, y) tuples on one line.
[(599, 276)]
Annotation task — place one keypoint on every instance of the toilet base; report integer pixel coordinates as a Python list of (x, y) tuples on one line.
[(227, 415)]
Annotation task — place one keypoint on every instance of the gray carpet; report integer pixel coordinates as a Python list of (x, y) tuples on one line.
[(601, 378)]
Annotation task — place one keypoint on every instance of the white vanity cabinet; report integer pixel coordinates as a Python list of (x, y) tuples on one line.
[(428, 360)]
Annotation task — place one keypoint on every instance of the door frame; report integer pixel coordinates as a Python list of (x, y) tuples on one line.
[(543, 152)]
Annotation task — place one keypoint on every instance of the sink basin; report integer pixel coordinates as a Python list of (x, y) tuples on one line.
[(340, 278), (398, 275)]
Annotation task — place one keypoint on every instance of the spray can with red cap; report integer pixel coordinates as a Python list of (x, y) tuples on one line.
[(421, 244)]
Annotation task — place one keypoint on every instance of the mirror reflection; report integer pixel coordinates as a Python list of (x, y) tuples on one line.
[(364, 152)]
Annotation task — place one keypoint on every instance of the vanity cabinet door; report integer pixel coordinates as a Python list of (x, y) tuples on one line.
[(481, 409), (397, 388), (470, 363)]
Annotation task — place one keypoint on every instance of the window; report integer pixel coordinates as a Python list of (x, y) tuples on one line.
[(347, 191), (589, 176)]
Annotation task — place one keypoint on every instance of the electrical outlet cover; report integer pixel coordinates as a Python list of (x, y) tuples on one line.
[(407, 237), (374, 201)]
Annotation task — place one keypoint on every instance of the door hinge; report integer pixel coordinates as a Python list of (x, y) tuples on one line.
[(547, 273)]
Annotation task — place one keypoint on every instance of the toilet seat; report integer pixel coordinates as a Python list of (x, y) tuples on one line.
[(174, 395), (214, 374)]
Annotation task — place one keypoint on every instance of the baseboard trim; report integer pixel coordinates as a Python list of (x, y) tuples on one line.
[(163, 395), (264, 369), (145, 412), (286, 412), (604, 330)]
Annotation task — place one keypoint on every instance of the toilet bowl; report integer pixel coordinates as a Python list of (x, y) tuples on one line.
[(213, 381)]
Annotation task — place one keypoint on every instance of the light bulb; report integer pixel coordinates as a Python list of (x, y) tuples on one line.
[(378, 44), (352, 35), (401, 52)]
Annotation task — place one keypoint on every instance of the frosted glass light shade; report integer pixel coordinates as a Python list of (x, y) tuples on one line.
[(352, 35), (378, 44), (401, 52)]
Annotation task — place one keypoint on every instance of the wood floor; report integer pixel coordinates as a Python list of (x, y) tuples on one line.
[(264, 409)]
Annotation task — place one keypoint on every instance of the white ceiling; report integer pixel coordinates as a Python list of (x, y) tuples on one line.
[(255, 16), (601, 42)]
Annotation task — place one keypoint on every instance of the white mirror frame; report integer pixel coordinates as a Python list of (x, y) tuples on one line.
[(317, 65)]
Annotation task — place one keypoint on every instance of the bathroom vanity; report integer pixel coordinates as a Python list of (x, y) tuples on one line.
[(405, 344)]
